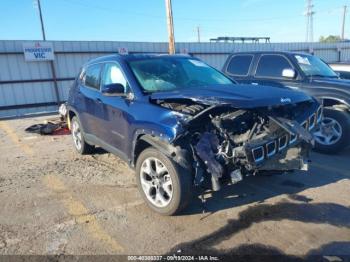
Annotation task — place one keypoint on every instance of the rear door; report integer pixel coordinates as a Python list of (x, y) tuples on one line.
[(239, 66), (91, 102), (268, 71)]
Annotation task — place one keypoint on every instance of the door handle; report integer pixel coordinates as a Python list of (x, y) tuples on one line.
[(99, 100), (253, 83)]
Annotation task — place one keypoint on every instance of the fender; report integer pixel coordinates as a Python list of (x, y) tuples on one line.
[(176, 153), (71, 109), (337, 99)]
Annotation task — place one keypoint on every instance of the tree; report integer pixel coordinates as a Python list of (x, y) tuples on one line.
[(330, 39)]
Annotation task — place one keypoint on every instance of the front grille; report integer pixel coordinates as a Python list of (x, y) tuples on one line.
[(305, 124), (258, 154), (312, 121), (293, 138), (282, 142), (319, 114), (271, 148)]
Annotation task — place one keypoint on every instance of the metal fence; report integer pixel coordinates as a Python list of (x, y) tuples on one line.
[(29, 87)]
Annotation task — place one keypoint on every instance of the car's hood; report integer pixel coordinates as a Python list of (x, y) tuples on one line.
[(333, 82), (239, 96)]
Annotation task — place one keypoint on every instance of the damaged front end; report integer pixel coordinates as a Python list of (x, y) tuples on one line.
[(229, 142)]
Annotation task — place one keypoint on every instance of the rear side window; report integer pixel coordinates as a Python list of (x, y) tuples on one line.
[(91, 78), (272, 66), (239, 65), (343, 74)]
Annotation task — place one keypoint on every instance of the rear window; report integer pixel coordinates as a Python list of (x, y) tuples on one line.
[(272, 66), (239, 65), (91, 77)]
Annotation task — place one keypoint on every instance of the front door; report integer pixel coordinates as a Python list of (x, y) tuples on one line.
[(115, 108), (269, 70)]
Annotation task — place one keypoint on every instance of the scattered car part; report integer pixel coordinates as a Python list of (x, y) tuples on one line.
[(62, 111), (51, 127)]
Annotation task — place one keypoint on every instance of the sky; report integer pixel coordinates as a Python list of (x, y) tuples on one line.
[(145, 20)]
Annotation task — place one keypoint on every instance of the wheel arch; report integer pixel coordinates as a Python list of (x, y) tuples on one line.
[(335, 102), (176, 153), (71, 114)]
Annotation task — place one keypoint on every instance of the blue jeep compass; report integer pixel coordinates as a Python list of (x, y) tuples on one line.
[(181, 123)]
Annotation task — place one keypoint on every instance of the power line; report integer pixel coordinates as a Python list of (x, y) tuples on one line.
[(109, 9), (178, 18), (309, 14)]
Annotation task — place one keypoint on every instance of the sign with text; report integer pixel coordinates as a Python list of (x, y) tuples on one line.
[(38, 51), (123, 51)]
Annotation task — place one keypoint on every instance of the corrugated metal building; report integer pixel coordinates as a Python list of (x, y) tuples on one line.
[(28, 87)]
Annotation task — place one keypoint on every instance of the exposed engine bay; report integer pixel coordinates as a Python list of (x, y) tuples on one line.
[(225, 141)]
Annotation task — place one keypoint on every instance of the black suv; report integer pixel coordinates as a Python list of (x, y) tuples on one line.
[(303, 72)]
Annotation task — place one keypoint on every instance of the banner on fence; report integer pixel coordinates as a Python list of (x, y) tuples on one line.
[(38, 51)]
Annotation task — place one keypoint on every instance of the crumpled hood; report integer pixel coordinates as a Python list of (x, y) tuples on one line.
[(239, 96)]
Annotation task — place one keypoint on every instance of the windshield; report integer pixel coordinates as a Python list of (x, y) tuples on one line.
[(172, 73), (313, 66)]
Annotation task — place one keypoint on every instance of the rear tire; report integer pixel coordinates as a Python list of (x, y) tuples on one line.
[(333, 135), (79, 142), (165, 186)]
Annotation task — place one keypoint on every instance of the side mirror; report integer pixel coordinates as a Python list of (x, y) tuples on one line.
[(113, 90), (288, 73)]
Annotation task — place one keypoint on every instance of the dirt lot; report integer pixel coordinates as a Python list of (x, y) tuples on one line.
[(54, 201)]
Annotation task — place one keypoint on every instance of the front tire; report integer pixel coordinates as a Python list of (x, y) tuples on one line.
[(164, 185), (333, 134), (79, 142)]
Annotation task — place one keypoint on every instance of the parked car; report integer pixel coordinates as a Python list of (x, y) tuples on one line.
[(179, 122), (307, 73), (342, 69)]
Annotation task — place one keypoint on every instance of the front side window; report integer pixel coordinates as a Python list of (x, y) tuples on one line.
[(169, 73), (313, 66), (272, 66), (91, 77), (113, 75), (239, 65)]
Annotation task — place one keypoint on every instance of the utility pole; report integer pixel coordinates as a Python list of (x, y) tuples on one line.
[(53, 70), (41, 20), (169, 14), (198, 34), (309, 21), (343, 24)]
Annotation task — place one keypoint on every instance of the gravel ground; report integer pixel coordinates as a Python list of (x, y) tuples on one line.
[(54, 201)]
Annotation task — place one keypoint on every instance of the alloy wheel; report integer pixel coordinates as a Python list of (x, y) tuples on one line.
[(76, 134), (156, 182), (329, 132)]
